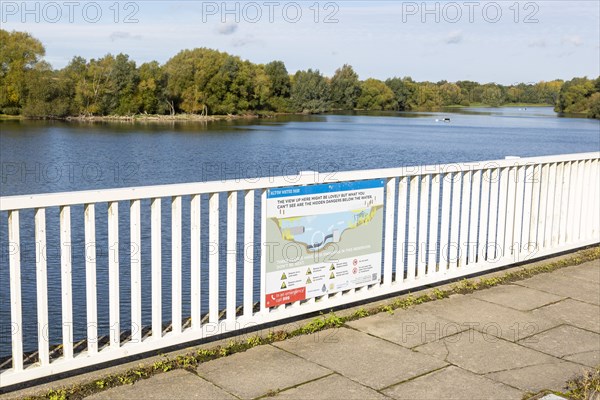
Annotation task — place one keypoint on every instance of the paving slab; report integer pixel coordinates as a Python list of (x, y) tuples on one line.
[(178, 384), (517, 297), (535, 378), (452, 383), (332, 387), (563, 341), (589, 271), (562, 285), (573, 312), (483, 354), (259, 371), (363, 358), (490, 318), (587, 358), (408, 328)]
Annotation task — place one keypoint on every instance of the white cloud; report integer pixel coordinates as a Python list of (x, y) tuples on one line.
[(454, 37), (574, 40), (537, 43), (227, 29), (241, 42), (118, 35)]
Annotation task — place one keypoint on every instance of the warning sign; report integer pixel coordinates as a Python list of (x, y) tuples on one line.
[(322, 239), (287, 296)]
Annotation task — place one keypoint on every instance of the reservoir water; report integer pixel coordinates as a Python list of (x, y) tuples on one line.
[(51, 156)]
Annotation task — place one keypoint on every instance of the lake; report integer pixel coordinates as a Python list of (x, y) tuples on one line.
[(51, 156), (42, 156)]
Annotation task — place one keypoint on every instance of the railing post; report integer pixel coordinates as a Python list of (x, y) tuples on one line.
[(249, 247), (113, 275), (231, 255), (213, 263), (401, 228), (16, 318), (389, 230), (474, 216), (544, 203), (464, 218), (155, 227), (42, 286), (90, 279), (557, 217), (176, 263), (66, 281), (136, 271), (412, 240), (565, 203), (434, 224), (484, 215), (195, 261), (263, 250), (423, 227), (446, 182)]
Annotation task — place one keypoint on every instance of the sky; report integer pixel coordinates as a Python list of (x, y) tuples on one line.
[(503, 41)]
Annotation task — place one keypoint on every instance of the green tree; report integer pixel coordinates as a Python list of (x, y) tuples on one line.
[(74, 76), (471, 92), (427, 96), (98, 89), (151, 96), (310, 92), (280, 79), (345, 88), (492, 95), (19, 54), (405, 90), (280, 84), (574, 96), (451, 94), (550, 91), (48, 94), (125, 80), (375, 95), (209, 81), (594, 106)]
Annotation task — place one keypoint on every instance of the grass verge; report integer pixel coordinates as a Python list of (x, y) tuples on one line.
[(586, 386), (577, 389), (582, 387)]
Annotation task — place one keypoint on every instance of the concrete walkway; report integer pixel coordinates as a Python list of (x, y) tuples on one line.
[(493, 344)]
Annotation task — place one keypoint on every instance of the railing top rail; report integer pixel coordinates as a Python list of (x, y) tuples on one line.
[(9, 203)]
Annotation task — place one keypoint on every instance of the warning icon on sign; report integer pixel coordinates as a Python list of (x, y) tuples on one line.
[(283, 285), (332, 268), (308, 281), (283, 276), (332, 276), (308, 272)]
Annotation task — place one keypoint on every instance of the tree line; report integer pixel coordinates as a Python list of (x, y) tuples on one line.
[(209, 82)]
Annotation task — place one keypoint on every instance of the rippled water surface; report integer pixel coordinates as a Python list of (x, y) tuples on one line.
[(42, 156)]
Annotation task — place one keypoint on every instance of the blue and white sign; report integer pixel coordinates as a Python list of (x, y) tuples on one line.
[(323, 239)]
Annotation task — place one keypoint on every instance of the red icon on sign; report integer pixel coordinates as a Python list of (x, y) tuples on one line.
[(355, 262), (355, 270)]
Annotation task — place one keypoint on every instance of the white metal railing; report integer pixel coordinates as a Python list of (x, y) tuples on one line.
[(441, 222)]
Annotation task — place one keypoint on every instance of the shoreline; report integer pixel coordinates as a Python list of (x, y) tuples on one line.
[(148, 118), (157, 118)]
